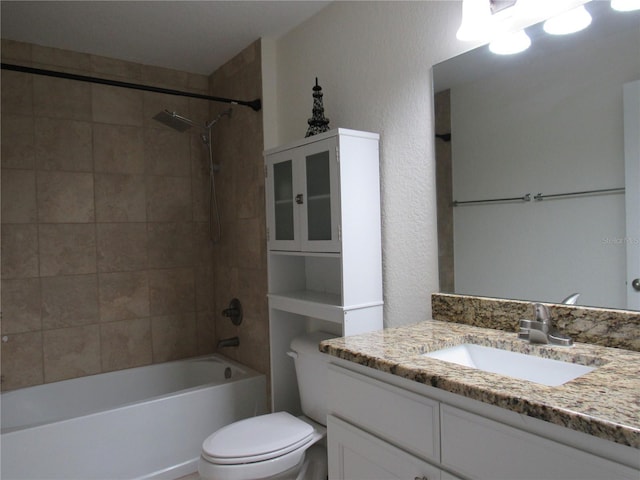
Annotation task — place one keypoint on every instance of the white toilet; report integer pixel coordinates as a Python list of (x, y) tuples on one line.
[(277, 445)]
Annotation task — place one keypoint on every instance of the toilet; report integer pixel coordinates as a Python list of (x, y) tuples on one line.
[(277, 445)]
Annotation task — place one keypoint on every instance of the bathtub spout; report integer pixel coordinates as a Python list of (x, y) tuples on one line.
[(229, 342)]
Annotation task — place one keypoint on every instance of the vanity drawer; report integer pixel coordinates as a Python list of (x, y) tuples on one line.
[(477, 447), (400, 417)]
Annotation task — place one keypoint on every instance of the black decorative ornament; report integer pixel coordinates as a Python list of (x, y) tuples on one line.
[(317, 123)]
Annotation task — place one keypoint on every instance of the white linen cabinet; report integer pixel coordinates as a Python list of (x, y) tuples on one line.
[(324, 244)]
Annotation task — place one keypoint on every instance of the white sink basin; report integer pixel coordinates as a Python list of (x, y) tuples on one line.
[(512, 364)]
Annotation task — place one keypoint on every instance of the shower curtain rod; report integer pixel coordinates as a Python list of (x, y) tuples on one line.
[(256, 104)]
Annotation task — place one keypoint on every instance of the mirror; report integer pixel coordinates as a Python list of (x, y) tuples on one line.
[(548, 120)]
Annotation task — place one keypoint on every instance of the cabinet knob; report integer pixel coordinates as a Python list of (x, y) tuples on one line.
[(636, 284), (424, 477), (299, 200)]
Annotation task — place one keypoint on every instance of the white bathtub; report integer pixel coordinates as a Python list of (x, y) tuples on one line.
[(147, 422)]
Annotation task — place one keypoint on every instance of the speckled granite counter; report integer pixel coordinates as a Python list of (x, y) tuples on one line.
[(604, 403)]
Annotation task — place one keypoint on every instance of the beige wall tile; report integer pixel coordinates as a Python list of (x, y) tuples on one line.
[(173, 337), (118, 149), (120, 198), (17, 141), (169, 199), (122, 247), (64, 60), (71, 352), (12, 50), (171, 291), (204, 287), (206, 333), (164, 77), (61, 98), (69, 301), (118, 106), (17, 92), (65, 197), (67, 248), (19, 251), (63, 145), (123, 295), (126, 344), (18, 196), (21, 305), (22, 364), (251, 251), (170, 244), (167, 152), (112, 67)]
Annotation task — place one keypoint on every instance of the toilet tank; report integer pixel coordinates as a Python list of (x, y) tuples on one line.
[(311, 372)]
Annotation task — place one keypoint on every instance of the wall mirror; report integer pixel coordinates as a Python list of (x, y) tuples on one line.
[(548, 121)]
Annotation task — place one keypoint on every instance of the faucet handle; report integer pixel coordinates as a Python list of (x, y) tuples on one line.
[(542, 313)]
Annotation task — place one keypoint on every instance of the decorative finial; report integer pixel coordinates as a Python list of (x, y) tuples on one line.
[(317, 123)]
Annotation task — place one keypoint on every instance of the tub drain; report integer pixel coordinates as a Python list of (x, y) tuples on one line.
[(227, 373)]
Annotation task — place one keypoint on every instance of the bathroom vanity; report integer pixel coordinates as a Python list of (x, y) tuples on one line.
[(397, 413)]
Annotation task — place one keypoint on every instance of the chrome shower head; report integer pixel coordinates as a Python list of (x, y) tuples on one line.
[(173, 120)]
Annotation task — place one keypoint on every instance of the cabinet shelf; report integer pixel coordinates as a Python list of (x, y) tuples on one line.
[(322, 305)]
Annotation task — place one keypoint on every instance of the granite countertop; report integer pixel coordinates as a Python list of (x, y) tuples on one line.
[(604, 402)]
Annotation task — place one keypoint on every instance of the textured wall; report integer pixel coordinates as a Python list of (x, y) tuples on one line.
[(373, 61), (106, 262)]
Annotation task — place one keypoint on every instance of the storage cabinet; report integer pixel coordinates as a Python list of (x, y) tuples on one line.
[(357, 455), (324, 244), (385, 431)]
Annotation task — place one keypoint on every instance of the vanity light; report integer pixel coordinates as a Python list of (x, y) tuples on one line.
[(476, 19), (625, 5), (510, 43), (568, 22)]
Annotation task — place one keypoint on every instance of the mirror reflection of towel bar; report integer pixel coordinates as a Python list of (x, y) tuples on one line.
[(541, 196), (524, 198)]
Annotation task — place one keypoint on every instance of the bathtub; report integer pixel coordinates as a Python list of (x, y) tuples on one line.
[(141, 423)]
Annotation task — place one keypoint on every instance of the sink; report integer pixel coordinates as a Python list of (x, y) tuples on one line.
[(512, 364)]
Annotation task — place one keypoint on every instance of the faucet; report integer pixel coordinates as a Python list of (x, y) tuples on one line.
[(229, 342), (541, 330)]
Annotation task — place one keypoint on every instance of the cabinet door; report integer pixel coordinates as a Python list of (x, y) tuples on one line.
[(320, 190), (357, 455), (282, 211)]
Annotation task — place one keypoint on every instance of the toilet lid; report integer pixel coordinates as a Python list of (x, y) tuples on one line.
[(257, 438)]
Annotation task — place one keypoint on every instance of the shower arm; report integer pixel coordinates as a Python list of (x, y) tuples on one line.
[(256, 104)]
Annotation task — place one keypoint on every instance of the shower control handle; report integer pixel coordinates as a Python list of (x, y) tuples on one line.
[(299, 199)]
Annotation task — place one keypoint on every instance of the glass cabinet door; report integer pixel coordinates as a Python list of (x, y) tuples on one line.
[(283, 200), (318, 196)]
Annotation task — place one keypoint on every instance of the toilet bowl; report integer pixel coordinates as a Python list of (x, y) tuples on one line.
[(277, 445)]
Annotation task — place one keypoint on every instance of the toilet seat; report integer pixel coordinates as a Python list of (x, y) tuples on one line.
[(258, 439)]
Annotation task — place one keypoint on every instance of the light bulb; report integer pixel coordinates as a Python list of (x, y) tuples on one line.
[(568, 22), (510, 43), (476, 17), (625, 5)]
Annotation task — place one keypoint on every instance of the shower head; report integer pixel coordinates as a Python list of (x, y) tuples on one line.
[(173, 120)]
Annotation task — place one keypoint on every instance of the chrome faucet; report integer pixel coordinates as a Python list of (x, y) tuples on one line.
[(229, 342), (540, 330)]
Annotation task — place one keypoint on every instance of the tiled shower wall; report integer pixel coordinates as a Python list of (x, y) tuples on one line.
[(240, 260), (106, 258)]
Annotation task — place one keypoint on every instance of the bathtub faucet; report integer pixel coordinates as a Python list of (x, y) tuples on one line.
[(229, 342)]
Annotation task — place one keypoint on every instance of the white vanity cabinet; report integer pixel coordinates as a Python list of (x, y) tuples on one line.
[(324, 244), (379, 430)]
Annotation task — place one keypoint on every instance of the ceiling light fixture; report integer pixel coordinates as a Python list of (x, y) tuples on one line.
[(625, 5), (510, 43), (568, 22)]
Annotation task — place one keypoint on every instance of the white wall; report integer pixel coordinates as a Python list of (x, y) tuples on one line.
[(525, 129), (373, 61)]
